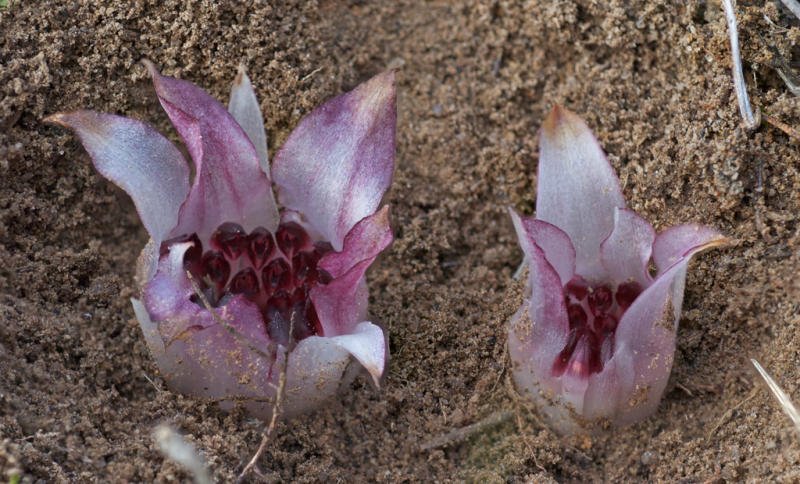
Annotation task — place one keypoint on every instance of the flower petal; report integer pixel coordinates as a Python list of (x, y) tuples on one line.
[(538, 331), (336, 165), (166, 295), (138, 159), (647, 332), (608, 392), (366, 240), (209, 361), (229, 184), (674, 243), (243, 106), (367, 344), (342, 303), (554, 242), (626, 252), (577, 189)]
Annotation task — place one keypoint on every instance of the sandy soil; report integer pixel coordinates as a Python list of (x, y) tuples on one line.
[(79, 394)]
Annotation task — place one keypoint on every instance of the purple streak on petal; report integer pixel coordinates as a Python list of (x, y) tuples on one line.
[(167, 298), (538, 332), (139, 160), (342, 303), (336, 165), (553, 241), (229, 184), (674, 243), (196, 354), (626, 252), (366, 240), (577, 189)]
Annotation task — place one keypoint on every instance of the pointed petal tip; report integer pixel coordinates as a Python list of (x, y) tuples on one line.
[(559, 120), (380, 88), (84, 118), (151, 68), (241, 76), (382, 215), (57, 119)]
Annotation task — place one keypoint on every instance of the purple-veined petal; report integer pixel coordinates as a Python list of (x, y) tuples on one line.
[(207, 360), (577, 189), (366, 240), (336, 165), (138, 159), (538, 332), (342, 303), (317, 365), (608, 393), (367, 344), (166, 295), (243, 106), (229, 184), (553, 241), (674, 243), (626, 252), (647, 332)]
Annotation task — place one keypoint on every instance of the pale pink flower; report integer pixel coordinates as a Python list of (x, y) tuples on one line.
[(593, 342), (288, 279)]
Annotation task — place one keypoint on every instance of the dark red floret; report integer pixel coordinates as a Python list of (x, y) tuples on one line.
[(627, 292), (230, 239)]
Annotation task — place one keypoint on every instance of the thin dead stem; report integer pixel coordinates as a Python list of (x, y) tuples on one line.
[(729, 413), (783, 399), (791, 132), (751, 120), (461, 434), (793, 6), (276, 410)]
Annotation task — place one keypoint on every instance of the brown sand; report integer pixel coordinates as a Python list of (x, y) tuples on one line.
[(76, 398)]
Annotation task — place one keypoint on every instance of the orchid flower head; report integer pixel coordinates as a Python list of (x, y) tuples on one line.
[(236, 287), (594, 340)]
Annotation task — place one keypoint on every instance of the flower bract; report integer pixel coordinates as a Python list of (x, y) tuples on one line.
[(255, 266), (593, 342)]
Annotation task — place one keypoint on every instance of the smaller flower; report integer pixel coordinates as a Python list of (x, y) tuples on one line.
[(287, 286), (593, 342)]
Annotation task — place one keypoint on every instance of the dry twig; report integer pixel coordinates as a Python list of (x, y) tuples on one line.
[(729, 412), (176, 448), (751, 120), (783, 399), (461, 434), (791, 132), (793, 6)]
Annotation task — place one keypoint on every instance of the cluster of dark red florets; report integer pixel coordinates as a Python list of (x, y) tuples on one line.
[(274, 271), (594, 313)]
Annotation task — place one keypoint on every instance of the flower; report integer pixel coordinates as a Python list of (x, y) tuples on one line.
[(287, 286), (593, 342)]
